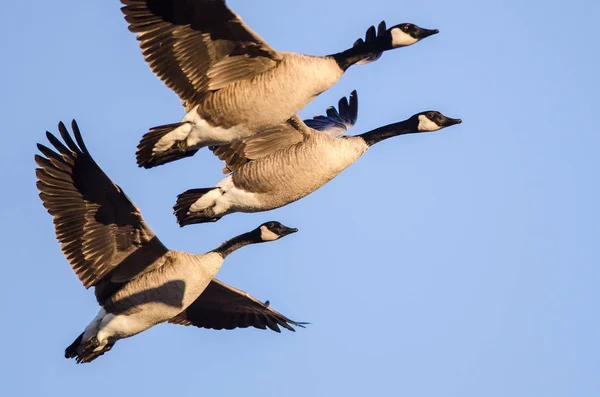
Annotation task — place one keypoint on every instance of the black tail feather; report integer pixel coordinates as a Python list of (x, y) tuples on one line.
[(71, 350), (147, 159), (88, 352), (185, 201)]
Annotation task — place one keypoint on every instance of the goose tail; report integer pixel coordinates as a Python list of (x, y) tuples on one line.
[(195, 206), (157, 148), (86, 352), (71, 350)]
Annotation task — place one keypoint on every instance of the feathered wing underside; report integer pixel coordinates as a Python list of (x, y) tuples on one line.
[(197, 46), (221, 306), (100, 230), (337, 122)]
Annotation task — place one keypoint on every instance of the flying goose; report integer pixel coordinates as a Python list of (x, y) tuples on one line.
[(232, 84), (281, 165), (138, 281)]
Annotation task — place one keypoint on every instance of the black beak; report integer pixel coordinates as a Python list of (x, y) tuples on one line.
[(287, 230), (422, 33), (448, 122)]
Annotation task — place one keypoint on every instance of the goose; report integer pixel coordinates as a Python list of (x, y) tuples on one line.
[(232, 84), (138, 281), (283, 164)]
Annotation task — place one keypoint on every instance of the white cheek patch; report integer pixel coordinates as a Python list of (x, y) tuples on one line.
[(401, 39), (427, 125), (267, 235)]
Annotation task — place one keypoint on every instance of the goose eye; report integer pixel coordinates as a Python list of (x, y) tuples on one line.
[(405, 28), (430, 115), (270, 225)]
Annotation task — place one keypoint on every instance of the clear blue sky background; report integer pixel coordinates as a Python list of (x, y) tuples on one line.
[(458, 263)]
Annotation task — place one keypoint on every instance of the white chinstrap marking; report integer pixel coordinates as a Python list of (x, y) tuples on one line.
[(427, 125), (267, 235), (401, 38)]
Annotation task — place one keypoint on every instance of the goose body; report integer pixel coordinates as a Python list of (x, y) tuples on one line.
[(288, 175), (138, 281), (282, 165), (231, 82), (224, 115)]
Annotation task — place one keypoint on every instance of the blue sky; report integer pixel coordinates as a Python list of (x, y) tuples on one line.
[(457, 263)]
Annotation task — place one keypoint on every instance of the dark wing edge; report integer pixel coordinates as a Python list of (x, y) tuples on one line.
[(221, 306), (197, 46), (371, 36), (271, 140), (95, 222), (337, 121)]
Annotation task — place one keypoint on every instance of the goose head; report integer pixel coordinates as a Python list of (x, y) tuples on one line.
[(273, 230), (431, 120), (407, 34)]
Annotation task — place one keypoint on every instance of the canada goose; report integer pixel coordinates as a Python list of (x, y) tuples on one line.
[(138, 281), (284, 164), (231, 82)]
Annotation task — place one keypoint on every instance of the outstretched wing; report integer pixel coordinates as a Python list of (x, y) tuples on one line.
[(336, 123), (221, 306), (98, 227), (197, 46), (371, 36)]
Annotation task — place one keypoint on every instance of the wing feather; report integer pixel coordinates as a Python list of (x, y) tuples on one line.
[(335, 123), (223, 307), (95, 222), (197, 46)]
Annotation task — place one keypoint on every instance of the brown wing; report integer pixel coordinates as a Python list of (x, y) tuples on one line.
[(240, 152), (99, 228), (196, 46), (223, 307), (336, 123)]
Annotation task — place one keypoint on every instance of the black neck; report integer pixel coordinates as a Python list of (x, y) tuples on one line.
[(237, 242), (347, 58), (388, 131)]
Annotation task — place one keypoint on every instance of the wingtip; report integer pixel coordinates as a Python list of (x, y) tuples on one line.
[(38, 160), (61, 127), (49, 136), (78, 137)]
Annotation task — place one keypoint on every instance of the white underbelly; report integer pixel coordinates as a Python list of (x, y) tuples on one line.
[(197, 132), (142, 317)]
